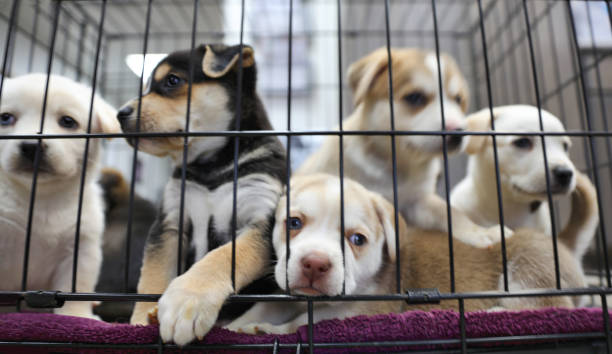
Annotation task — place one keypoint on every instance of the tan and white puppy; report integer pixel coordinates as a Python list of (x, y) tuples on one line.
[(57, 191), (522, 172), (368, 158), (316, 266)]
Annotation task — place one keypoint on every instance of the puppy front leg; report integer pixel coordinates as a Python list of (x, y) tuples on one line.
[(271, 312), (432, 214), (88, 268), (191, 304), (158, 269)]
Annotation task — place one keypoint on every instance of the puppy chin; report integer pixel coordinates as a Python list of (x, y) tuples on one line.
[(431, 146)]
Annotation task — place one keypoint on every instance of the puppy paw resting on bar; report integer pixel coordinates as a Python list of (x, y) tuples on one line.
[(417, 108), (522, 174), (318, 266), (59, 165), (191, 303)]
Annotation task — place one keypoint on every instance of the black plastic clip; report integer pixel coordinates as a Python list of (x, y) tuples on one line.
[(423, 296), (43, 299)]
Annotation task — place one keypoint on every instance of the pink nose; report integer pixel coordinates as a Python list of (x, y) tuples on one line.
[(315, 266), (453, 124)]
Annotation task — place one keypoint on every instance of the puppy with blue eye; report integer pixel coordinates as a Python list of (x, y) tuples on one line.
[(316, 264), (522, 174), (55, 210)]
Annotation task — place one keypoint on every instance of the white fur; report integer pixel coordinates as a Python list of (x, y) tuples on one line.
[(56, 201), (522, 174)]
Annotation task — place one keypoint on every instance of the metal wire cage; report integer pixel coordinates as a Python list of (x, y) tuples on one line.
[(553, 54)]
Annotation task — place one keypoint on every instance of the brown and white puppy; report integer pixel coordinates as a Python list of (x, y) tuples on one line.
[(368, 158), (316, 264), (522, 173), (57, 190), (191, 302)]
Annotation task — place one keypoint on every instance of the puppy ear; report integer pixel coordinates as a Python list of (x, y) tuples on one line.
[(386, 217), (106, 115), (219, 59), (363, 73), (478, 122)]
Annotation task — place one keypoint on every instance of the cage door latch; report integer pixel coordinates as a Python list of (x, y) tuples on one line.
[(43, 299), (423, 296)]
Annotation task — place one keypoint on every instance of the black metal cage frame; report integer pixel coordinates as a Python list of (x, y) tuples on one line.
[(586, 63)]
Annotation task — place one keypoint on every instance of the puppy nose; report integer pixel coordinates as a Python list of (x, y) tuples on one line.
[(453, 141), (124, 113), (28, 150), (315, 266), (563, 175)]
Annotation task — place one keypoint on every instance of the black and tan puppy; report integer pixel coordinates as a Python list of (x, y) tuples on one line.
[(191, 302)]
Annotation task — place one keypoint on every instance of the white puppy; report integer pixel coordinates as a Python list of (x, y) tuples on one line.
[(57, 191), (522, 172), (417, 101)]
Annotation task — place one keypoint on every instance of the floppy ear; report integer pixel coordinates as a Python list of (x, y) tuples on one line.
[(478, 122), (219, 59), (363, 73), (106, 115), (386, 217)]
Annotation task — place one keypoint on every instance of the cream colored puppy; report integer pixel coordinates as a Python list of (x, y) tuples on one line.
[(522, 173), (316, 264), (368, 158), (57, 190)]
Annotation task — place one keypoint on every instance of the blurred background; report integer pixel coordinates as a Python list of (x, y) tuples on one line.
[(319, 94)]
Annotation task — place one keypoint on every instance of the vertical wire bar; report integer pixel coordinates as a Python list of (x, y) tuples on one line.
[(275, 345), (310, 324), (77, 234), (194, 25), (606, 318), (65, 46), (500, 206), (33, 36), (81, 49), (290, 62), (546, 173), (7, 45), (513, 64), (128, 241), (26, 257), (585, 95), (341, 147), (462, 326), (236, 146), (451, 257), (398, 278)]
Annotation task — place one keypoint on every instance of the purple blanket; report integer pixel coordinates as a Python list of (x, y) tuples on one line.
[(408, 326)]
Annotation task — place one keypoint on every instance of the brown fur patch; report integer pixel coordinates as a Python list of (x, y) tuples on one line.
[(162, 71)]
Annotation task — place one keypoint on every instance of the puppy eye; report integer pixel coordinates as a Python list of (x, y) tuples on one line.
[(7, 119), (566, 146), (458, 99), (357, 239), (68, 122), (416, 99), (295, 223), (523, 143), (172, 80)]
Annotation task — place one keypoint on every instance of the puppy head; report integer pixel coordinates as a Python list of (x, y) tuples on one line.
[(315, 257), (521, 158), (163, 106), (416, 95), (66, 112)]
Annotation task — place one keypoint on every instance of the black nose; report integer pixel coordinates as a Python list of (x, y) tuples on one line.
[(124, 113), (563, 175), (28, 150), (453, 141)]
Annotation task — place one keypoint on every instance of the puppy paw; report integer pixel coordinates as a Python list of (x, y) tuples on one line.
[(186, 312), (483, 238), (79, 309), (142, 313)]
